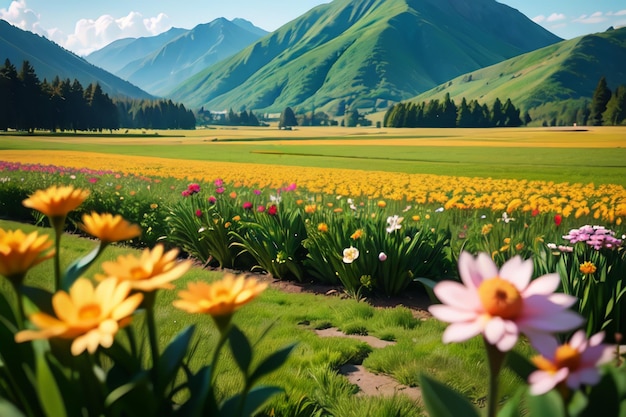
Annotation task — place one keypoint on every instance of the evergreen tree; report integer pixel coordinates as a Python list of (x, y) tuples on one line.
[(497, 114), (287, 118), (448, 112), (30, 98), (9, 87), (511, 114), (464, 117), (601, 97), (352, 118), (615, 112)]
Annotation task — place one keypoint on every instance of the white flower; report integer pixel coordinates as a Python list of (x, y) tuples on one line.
[(275, 198), (350, 254), (382, 256), (439, 210), (506, 218), (394, 223)]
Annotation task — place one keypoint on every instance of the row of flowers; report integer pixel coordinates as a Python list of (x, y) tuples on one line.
[(579, 375)]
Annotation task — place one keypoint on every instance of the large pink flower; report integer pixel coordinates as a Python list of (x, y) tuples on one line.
[(574, 363), (501, 304)]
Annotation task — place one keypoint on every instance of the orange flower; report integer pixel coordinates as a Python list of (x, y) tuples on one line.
[(588, 268), (357, 235), (310, 208), (56, 201), (220, 299), (109, 228), (381, 203), (90, 316), (151, 271), (19, 252), (322, 227)]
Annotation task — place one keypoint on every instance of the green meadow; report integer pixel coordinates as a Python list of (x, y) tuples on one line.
[(596, 155)]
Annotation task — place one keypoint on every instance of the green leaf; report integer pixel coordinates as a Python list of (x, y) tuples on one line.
[(549, 404), (48, 390), (199, 392), (173, 356), (6, 311), (512, 406), (240, 346), (604, 399), (443, 401), (251, 402), (78, 267), (271, 363), (40, 297), (429, 285), (577, 404), (9, 410)]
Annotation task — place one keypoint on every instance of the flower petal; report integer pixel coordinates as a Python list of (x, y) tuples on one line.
[(459, 332), (451, 314), (457, 295), (517, 272), (494, 330), (545, 284), (542, 382)]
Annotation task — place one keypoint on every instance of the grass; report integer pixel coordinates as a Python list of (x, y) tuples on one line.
[(310, 377), (561, 155)]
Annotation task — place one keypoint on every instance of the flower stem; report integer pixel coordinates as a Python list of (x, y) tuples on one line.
[(496, 359), (57, 261), (223, 337), (152, 330)]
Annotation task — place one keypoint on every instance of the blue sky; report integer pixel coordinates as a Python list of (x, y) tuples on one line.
[(83, 26)]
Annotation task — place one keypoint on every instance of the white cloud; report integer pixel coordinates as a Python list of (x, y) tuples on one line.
[(539, 19), (89, 34), (596, 17), (620, 13), (555, 17)]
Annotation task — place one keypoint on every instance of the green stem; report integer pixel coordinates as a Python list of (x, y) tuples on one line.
[(496, 359), (57, 262), (152, 330), (216, 354)]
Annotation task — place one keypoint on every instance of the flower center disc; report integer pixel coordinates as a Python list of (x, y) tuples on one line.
[(567, 357), (89, 312), (500, 298)]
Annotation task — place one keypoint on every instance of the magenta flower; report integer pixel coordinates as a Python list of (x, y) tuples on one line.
[(93, 180), (220, 190), (260, 209), (199, 213), (257, 192), (193, 188), (501, 304), (218, 182), (574, 363), (247, 205)]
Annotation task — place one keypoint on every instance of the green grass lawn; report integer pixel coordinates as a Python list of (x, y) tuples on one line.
[(310, 377), (597, 156)]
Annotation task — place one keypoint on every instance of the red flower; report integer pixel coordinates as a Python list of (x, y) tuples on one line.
[(535, 212), (272, 210), (199, 213), (247, 205), (558, 219), (93, 180)]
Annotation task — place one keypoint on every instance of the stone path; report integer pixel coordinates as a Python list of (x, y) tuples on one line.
[(368, 382)]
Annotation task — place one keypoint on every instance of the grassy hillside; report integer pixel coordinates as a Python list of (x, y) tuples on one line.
[(362, 53), (566, 71)]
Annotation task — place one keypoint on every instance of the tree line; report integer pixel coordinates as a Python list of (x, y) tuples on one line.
[(446, 113), (62, 105)]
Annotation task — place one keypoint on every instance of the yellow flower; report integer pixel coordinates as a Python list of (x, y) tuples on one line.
[(109, 228), (322, 227), (507, 244), (220, 299), (154, 206), (151, 271), (486, 229), (519, 246), (416, 218), (587, 268), (19, 252), (236, 218), (381, 203), (357, 235), (90, 316), (227, 225), (56, 201)]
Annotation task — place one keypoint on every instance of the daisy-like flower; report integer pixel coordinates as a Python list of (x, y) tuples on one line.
[(19, 252), (90, 316), (56, 201), (501, 304), (394, 223), (109, 228), (574, 363), (350, 255), (220, 299), (153, 270)]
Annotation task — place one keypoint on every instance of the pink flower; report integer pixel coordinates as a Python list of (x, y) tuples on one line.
[(211, 200), (574, 363), (247, 205), (382, 256), (501, 304), (257, 192), (193, 188), (93, 180), (199, 213), (218, 182), (260, 209), (220, 190)]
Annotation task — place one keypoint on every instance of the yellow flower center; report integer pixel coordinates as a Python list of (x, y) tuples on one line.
[(500, 298), (138, 273), (89, 312), (565, 357)]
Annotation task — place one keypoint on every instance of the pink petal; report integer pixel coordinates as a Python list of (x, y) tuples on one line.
[(542, 382), (451, 314), (563, 299), (540, 305), (460, 332), (543, 342), (559, 322), (471, 277), (494, 330), (457, 295), (486, 266), (545, 284), (596, 339), (588, 376), (578, 341), (517, 272), (508, 341)]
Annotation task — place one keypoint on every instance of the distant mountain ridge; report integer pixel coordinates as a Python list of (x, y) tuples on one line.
[(364, 53), (158, 63), (50, 60), (568, 70)]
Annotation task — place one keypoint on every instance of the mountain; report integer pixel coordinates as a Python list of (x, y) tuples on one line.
[(158, 63), (50, 60), (121, 52), (568, 70), (363, 53)]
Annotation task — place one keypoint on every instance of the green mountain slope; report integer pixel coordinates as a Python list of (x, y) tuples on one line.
[(364, 52), (50, 60), (568, 70)]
